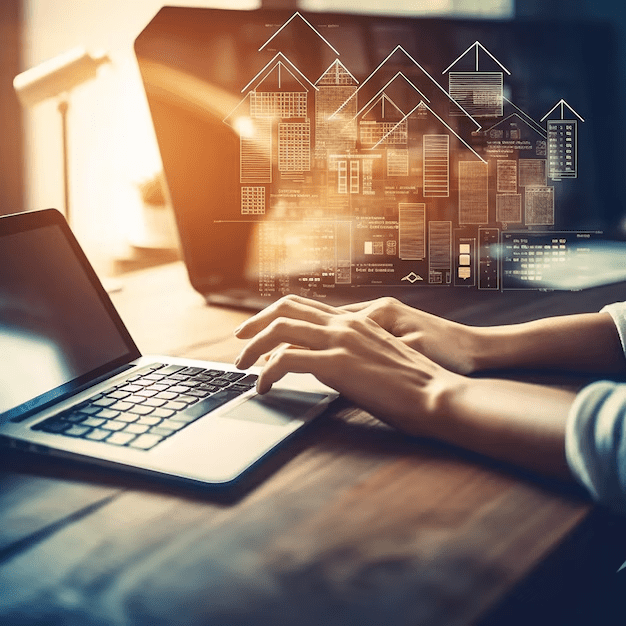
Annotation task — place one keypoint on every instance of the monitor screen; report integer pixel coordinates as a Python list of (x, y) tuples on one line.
[(318, 153), (56, 331)]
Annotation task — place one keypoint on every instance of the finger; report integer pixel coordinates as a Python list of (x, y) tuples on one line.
[(290, 359), (281, 331), (291, 307), (355, 307), (384, 311), (318, 304)]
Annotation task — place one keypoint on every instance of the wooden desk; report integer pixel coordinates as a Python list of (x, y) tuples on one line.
[(351, 523)]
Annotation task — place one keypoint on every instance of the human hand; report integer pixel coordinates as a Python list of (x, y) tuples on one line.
[(351, 352), (450, 344)]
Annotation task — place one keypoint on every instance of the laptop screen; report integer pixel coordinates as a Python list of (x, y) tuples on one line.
[(56, 328), (317, 153)]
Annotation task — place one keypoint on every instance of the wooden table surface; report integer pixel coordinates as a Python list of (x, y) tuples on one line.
[(350, 523)]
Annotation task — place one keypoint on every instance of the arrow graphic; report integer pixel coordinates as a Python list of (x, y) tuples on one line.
[(477, 46), (561, 104)]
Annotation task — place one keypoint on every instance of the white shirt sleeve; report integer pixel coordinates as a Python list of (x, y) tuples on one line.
[(595, 438), (618, 312)]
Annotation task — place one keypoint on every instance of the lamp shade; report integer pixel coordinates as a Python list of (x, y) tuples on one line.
[(57, 75)]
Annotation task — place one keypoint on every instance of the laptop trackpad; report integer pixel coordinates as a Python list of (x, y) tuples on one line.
[(276, 408)]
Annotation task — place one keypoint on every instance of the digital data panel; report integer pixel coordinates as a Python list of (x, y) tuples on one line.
[(362, 178)]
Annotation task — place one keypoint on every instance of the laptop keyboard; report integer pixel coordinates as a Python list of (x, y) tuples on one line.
[(150, 406)]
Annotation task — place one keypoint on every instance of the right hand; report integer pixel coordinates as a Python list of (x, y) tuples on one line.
[(353, 354), (450, 344)]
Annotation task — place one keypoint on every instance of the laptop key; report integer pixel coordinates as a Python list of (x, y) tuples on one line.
[(149, 420), (118, 395), (187, 399), (191, 383), (141, 409), (241, 388), (192, 371), (157, 387), (98, 434), (166, 395), (136, 429), (120, 439), (53, 426), (203, 407), (90, 410), (75, 418), (178, 389), (174, 379), (120, 405), (107, 414), (135, 399), (233, 375), (199, 393), (147, 393), (221, 382), (145, 442), (208, 387), (175, 406), (77, 430), (249, 380), (131, 388), (154, 377), (93, 422), (114, 425), (126, 418), (171, 369), (169, 429), (103, 402), (155, 402)]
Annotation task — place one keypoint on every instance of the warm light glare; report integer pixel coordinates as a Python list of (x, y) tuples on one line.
[(244, 126), (396, 6), (487, 8)]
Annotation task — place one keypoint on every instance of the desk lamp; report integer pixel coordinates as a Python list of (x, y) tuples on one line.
[(56, 78)]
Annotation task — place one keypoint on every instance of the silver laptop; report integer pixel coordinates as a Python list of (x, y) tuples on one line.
[(74, 384)]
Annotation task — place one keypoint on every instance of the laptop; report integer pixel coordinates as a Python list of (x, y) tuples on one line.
[(349, 156), (74, 385)]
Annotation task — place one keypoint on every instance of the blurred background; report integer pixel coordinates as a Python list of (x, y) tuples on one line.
[(118, 210)]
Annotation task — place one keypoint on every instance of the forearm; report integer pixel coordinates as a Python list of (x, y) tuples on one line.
[(515, 422), (585, 343)]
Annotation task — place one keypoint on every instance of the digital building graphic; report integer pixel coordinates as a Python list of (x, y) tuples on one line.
[(389, 178)]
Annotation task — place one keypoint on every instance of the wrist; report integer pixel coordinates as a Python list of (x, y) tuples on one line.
[(425, 408), (502, 347), (441, 409), (484, 350)]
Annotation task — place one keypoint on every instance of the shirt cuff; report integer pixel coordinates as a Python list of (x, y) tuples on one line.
[(595, 442), (617, 311)]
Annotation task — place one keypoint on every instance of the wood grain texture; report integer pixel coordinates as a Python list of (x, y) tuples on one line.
[(359, 525), (32, 506)]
